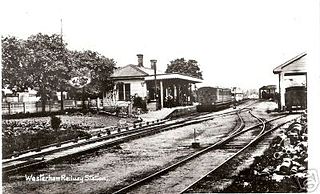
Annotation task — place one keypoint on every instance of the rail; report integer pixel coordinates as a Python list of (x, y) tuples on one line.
[(238, 131)]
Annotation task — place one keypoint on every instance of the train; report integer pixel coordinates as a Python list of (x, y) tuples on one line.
[(213, 99), (296, 98)]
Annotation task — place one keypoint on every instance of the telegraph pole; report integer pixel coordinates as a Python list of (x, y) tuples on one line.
[(62, 60)]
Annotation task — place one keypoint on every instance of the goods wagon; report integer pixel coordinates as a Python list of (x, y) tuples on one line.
[(296, 98)]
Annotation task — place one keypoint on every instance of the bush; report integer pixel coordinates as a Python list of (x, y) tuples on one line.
[(139, 103), (55, 122)]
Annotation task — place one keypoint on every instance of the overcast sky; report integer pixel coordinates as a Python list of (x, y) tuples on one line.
[(236, 42)]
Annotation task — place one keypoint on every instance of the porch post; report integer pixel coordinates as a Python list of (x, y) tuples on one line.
[(98, 102), (282, 91), (114, 93), (124, 92), (161, 94)]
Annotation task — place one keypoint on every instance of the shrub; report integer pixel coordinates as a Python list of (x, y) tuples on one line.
[(55, 122), (139, 103)]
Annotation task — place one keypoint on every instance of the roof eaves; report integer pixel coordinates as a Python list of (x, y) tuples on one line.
[(280, 67), (128, 77)]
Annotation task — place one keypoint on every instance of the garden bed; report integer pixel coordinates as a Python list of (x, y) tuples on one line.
[(23, 134)]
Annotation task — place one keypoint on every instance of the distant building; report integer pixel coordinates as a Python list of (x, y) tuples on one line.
[(267, 92), (163, 90), (291, 73)]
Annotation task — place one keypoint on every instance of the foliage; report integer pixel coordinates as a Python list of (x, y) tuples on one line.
[(55, 122), (139, 103), (13, 64), (190, 67), (21, 136), (46, 70), (97, 67), (35, 63), (42, 62)]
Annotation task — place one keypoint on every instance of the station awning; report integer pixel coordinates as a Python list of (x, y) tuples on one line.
[(173, 76)]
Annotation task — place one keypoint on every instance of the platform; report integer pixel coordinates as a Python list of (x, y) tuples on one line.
[(165, 113)]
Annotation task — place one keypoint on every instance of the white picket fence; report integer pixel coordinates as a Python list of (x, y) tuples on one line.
[(9, 108)]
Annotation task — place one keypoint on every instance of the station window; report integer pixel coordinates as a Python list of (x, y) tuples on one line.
[(120, 92), (124, 92), (127, 92)]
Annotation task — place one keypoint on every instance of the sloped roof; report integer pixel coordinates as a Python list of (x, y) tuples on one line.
[(147, 70), (133, 71), (129, 71), (294, 65)]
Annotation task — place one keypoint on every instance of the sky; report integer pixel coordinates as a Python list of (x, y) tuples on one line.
[(236, 42)]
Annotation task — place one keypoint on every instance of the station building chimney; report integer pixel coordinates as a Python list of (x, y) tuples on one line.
[(140, 60), (153, 64)]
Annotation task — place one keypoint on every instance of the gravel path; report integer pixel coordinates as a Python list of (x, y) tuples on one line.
[(175, 181)]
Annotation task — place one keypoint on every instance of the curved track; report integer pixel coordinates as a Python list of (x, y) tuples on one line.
[(180, 175), (215, 174), (262, 131)]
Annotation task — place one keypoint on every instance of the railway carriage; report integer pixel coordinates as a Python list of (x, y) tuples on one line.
[(213, 98)]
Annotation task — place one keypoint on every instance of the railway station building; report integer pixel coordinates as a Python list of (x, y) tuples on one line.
[(291, 73), (155, 87)]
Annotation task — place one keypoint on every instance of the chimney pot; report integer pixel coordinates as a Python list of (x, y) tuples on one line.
[(140, 60), (153, 64)]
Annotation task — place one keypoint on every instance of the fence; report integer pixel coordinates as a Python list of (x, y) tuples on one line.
[(9, 108)]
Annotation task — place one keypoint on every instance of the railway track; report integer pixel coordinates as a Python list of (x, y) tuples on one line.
[(218, 172), (182, 175), (51, 153)]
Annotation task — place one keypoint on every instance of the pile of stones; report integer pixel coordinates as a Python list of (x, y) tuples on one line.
[(282, 168)]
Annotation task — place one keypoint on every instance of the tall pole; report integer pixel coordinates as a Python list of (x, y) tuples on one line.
[(62, 60), (154, 65), (279, 102)]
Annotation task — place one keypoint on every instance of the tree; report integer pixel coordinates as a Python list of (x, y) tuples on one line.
[(46, 70), (190, 67), (42, 62), (97, 67), (13, 64)]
